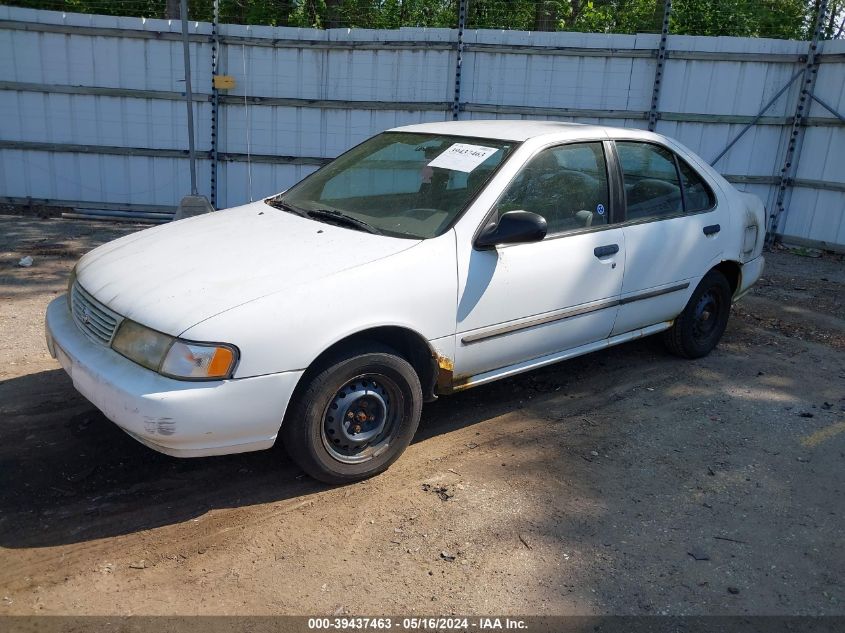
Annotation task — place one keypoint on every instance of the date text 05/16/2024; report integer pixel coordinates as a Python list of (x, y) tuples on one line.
[(417, 623)]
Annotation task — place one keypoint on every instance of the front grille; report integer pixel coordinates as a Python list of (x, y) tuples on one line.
[(92, 317)]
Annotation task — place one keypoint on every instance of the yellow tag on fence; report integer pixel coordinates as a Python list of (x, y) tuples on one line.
[(223, 82)]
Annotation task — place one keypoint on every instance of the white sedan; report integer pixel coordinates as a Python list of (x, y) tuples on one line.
[(429, 259)]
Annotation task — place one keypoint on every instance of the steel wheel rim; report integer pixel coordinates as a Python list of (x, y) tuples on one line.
[(706, 315), (361, 419)]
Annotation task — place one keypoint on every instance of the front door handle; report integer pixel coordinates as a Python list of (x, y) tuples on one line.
[(712, 229), (604, 251)]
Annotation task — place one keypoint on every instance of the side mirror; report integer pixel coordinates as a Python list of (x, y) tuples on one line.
[(513, 227)]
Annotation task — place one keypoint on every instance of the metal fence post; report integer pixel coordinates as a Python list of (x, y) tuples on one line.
[(189, 97), (653, 114), (462, 22), (215, 98), (796, 132)]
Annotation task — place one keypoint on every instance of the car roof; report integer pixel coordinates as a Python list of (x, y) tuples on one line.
[(522, 130)]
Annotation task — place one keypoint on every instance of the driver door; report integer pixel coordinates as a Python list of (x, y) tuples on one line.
[(520, 302)]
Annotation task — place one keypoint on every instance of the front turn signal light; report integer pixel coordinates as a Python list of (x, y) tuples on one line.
[(199, 361)]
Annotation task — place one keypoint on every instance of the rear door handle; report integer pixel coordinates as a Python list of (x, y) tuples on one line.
[(712, 229), (604, 251)]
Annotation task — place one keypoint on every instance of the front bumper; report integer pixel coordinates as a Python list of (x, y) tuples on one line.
[(179, 418)]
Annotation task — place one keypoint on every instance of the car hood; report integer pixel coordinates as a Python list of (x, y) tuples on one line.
[(174, 276)]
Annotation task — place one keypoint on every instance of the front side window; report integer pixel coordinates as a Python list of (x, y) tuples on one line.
[(399, 184), (567, 185), (652, 189)]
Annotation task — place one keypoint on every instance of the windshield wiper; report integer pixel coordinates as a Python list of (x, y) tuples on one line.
[(277, 203), (324, 214), (342, 218)]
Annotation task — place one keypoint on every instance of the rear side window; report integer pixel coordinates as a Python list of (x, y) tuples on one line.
[(697, 195), (652, 188)]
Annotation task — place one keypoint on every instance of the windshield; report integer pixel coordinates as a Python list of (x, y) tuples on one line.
[(398, 184)]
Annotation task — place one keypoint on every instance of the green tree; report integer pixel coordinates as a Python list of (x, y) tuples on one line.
[(789, 19)]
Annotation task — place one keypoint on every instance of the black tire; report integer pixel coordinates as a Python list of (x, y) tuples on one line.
[(380, 393), (699, 327)]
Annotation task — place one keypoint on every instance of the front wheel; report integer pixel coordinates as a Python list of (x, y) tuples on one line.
[(355, 416), (699, 327)]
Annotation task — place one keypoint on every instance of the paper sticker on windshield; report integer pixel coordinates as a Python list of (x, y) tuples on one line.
[(463, 157)]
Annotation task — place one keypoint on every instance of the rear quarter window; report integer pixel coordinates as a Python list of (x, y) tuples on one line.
[(698, 196)]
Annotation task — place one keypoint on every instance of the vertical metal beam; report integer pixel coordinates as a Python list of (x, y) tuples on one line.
[(189, 97), (796, 131), (462, 23), (215, 99), (653, 114)]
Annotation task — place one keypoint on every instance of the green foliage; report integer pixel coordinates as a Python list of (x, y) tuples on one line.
[(788, 19), (619, 16)]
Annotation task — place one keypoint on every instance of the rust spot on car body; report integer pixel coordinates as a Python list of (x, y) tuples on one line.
[(460, 383), (445, 368), (447, 382)]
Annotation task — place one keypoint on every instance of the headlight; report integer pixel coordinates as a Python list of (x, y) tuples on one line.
[(173, 357), (141, 344), (199, 361)]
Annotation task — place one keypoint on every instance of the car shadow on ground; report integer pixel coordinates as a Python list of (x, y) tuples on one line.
[(70, 475)]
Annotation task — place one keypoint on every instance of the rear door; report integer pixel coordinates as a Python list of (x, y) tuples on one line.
[(673, 227)]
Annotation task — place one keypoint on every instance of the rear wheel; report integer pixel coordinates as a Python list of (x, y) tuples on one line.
[(355, 416), (699, 327)]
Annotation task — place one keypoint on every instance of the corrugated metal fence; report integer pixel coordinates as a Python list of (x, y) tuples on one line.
[(92, 112)]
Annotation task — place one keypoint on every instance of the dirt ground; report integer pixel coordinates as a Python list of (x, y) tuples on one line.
[(624, 482)]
